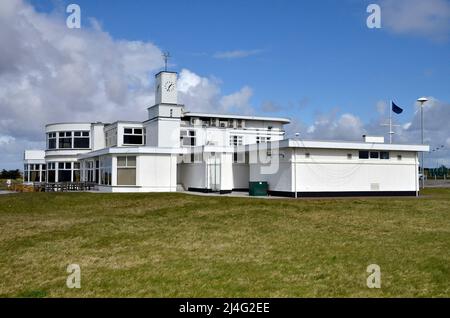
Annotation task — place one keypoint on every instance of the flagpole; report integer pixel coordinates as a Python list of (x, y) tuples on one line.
[(390, 123)]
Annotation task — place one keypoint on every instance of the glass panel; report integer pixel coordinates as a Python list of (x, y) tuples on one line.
[(64, 175), (76, 176), (131, 161), (384, 155), (51, 176), (363, 155), (81, 143), (121, 161), (126, 176), (132, 139), (374, 155), (51, 143), (65, 143)]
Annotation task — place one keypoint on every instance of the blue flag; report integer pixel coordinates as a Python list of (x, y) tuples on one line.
[(396, 109)]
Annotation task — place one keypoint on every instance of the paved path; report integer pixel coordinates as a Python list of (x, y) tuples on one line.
[(5, 192)]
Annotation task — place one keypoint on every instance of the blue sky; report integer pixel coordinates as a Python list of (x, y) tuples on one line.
[(315, 62), (318, 52)]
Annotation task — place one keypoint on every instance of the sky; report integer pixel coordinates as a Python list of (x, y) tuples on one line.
[(315, 62)]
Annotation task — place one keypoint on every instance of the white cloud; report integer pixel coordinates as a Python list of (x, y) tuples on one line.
[(204, 94), (236, 54), (430, 18), (239, 101), (49, 73), (330, 126)]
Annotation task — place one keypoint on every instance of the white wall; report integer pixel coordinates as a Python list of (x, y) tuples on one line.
[(241, 175), (157, 172), (192, 175), (330, 170)]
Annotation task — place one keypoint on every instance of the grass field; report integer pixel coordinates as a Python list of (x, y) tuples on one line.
[(177, 245)]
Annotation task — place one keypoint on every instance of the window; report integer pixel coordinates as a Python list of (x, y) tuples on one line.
[(235, 140), (51, 168), (97, 171), (51, 140), (260, 139), (76, 172), (133, 136), (384, 155), (126, 170), (34, 173), (105, 170), (65, 140), (64, 171), (89, 171), (188, 137), (349, 156), (399, 157), (374, 155), (81, 139), (44, 167), (363, 154), (25, 173)]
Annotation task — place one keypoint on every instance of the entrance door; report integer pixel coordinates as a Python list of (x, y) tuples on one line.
[(214, 173)]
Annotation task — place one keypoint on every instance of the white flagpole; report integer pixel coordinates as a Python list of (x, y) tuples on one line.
[(390, 123)]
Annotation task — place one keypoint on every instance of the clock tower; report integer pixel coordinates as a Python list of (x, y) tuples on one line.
[(163, 124), (166, 88)]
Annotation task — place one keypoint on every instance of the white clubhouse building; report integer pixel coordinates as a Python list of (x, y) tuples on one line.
[(176, 150)]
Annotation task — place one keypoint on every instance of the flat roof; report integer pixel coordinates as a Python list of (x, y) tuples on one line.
[(323, 144), (131, 150), (231, 116)]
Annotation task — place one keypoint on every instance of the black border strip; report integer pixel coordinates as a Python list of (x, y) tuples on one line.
[(344, 194)]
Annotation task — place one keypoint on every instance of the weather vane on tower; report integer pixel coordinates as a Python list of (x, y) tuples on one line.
[(166, 56)]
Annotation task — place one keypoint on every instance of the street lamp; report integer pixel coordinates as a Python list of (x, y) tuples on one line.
[(422, 101)]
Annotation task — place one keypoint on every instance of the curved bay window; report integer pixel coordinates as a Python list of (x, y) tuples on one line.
[(126, 170), (68, 140)]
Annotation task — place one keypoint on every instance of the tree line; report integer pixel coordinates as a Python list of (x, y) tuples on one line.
[(10, 174)]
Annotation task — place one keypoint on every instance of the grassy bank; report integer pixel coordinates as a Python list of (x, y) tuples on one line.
[(178, 245)]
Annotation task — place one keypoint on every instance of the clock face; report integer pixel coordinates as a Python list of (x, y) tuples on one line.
[(169, 86)]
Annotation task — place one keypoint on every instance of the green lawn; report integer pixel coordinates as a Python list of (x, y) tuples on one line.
[(177, 245)]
